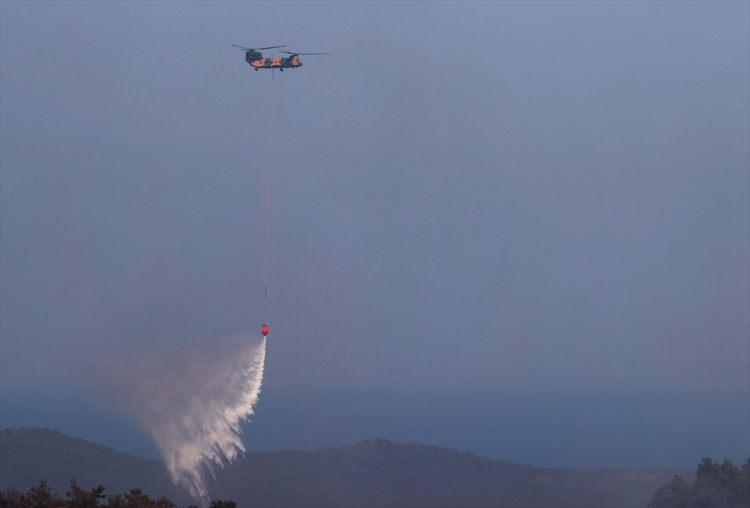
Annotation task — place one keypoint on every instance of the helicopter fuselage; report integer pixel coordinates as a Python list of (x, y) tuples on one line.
[(257, 61)]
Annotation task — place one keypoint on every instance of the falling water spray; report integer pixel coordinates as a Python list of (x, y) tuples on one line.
[(192, 401)]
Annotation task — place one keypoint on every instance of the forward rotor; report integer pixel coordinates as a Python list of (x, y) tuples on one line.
[(257, 49)]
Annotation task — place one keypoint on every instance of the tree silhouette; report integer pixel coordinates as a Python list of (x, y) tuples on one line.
[(42, 496), (715, 485)]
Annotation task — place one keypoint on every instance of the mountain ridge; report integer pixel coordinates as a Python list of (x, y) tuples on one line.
[(373, 473)]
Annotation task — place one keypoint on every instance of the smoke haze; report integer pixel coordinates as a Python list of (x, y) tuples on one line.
[(563, 184)]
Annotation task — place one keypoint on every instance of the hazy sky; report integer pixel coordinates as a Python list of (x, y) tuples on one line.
[(467, 196)]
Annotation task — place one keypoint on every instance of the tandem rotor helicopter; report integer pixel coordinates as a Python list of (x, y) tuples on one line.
[(255, 58)]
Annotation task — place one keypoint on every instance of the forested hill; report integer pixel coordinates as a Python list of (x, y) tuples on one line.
[(28, 456), (714, 485), (371, 474)]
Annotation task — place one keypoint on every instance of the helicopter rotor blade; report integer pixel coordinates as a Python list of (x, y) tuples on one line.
[(253, 49), (295, 53)]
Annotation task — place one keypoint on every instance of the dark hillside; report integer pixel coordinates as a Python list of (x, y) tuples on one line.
[(371, 474), (30, 455)]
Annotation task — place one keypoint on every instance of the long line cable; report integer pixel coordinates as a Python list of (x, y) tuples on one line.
[(267, 209)]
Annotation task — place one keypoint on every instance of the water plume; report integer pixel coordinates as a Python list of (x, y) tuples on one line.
[(192, 401)]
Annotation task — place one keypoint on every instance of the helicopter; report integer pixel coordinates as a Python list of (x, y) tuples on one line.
[(255, 58)]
